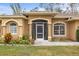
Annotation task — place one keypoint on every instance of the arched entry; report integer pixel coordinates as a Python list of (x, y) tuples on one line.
[(40, 29)]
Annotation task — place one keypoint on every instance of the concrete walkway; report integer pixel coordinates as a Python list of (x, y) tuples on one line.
[(46, 43)]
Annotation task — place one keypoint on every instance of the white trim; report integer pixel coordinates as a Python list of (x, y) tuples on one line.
[(43, 31), (10, 28), (11, 20), (30, 21), (65, 29), (39, 18)]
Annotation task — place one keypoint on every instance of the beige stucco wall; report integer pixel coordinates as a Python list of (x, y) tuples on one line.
[(42, 17), (76, 27), (71, 30), (59, 20), (5, 26), (24, 26), (37, 17)]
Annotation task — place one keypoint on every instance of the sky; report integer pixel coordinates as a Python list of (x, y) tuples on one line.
[(6, 9)]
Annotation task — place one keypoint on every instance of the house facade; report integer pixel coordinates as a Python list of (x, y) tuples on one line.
[(40, 25)]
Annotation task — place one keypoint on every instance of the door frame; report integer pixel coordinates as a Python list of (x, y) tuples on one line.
[(41, 33)]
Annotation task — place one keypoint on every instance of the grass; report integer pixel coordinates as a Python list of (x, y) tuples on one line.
[(39, 50)]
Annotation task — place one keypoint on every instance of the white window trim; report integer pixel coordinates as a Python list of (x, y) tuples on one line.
[(10, 28), (43, 30), (59, 35), (12, 31)]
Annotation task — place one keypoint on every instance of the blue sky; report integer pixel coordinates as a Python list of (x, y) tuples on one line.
[(5, 7)]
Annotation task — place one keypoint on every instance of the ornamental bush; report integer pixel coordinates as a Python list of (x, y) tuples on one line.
[(1, 41), (15, 41), (7, 38), (25, 37), (24, 40), (77, 35)]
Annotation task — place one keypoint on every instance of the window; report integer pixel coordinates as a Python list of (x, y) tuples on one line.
[(59, 29), (13, 28)]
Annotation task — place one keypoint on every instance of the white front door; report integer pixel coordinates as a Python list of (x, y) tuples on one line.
[(39, 31)]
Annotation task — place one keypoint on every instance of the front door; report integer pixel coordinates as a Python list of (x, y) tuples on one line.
[(39, 31)]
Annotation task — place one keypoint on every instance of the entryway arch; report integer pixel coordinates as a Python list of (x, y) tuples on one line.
[(40, 29)]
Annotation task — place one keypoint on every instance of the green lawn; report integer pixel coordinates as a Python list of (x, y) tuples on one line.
[(39, 50)]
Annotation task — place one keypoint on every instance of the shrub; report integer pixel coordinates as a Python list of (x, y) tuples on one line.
[(7, 38), (77, 35), (1, 41), (15, 41), (24, 40), (25, 37)]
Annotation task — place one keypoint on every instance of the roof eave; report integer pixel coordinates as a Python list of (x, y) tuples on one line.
[(40, 13), (15, 17)]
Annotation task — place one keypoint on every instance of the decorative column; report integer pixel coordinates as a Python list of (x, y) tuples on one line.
[(49, 32), (3, 30), (30, 31), (20, 32), (49, 29)]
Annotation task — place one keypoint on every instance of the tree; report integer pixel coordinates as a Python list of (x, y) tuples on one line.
[(73, 7), (58, 10), (34, 9), (47, 6), (16, 9), (52, 6)]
